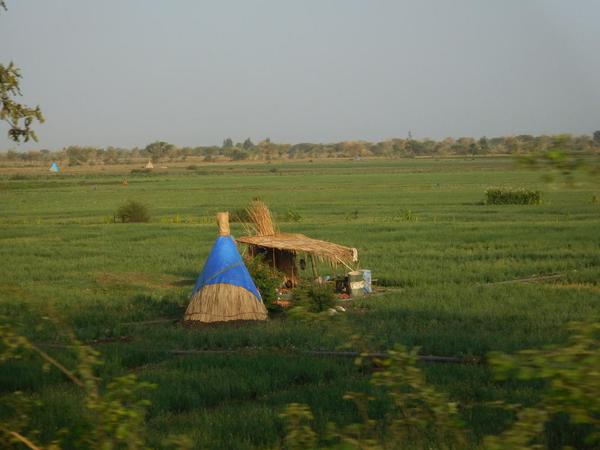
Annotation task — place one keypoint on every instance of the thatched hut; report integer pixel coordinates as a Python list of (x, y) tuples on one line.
[(280, 250)]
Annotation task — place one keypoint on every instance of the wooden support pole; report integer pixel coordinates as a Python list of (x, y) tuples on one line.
[(314, 268)]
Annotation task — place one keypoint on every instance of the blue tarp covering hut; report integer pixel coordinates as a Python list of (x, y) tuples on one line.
[(225, 291)]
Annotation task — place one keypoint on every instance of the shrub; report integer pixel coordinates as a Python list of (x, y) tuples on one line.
[(133, 211), (510, 196), (316, 297), (266, 279), (192, 167)]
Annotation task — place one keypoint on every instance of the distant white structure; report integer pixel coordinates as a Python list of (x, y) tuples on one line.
[(149, 165)]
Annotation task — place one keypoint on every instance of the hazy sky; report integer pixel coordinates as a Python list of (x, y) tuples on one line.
[(128, 72)]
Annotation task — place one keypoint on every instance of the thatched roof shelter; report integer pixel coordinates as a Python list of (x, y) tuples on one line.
[(280, 249)]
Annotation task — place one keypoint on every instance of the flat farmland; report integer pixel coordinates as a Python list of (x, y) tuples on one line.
[(461, 279)]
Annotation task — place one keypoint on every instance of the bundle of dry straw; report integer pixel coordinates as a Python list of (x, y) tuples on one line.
[(224, 302), (261, 222)]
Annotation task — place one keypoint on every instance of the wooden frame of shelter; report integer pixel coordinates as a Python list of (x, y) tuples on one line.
[(280, 251)]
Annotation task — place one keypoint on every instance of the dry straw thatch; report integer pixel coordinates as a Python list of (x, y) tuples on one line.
[(224, 302), (299, 243)]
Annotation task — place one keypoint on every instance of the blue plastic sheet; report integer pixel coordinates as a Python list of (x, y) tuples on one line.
[(225, 265)]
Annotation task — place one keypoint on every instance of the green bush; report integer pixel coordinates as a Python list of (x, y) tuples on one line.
[(511, 196), (266, 279), (315, 297), (133, 211)]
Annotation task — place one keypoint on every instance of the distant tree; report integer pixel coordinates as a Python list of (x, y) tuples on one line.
[(239, 155), (484, 145), (158, 150), (110, 156), (172, 153), (597, 137), (248, 144), (19, 117), (227, 143), (415, 147), (80, 155)]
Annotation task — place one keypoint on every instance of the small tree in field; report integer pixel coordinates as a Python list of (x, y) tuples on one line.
[(133, 211)]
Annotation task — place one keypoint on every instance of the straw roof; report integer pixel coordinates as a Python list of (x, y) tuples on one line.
[(299, 243)]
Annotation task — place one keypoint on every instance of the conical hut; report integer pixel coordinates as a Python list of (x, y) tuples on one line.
[(225, 290)]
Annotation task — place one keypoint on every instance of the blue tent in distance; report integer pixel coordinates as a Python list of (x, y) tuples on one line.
[(224, 290), (54, 167)]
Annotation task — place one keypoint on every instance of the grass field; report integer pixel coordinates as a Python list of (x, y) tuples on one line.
[(419, 224)]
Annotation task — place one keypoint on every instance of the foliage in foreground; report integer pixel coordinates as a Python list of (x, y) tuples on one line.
[(421, 417), (19, 117), (510, 196), (114, 417), (417, 415), (572, 374)]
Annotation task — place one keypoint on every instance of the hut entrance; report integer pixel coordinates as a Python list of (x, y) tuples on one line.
[(282, 260), (285, 262)]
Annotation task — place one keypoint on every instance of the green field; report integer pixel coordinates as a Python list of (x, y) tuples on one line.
[(420, 225)]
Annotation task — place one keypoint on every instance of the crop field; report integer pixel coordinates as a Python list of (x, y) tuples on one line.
[(461, 279)]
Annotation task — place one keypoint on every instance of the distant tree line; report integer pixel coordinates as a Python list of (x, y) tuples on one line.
[(267, 150)]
